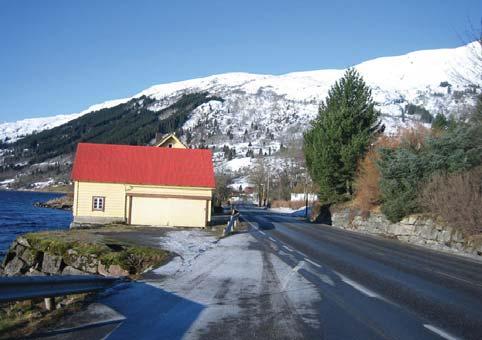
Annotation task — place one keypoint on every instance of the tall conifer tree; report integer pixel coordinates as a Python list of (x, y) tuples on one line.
[(346, 124)]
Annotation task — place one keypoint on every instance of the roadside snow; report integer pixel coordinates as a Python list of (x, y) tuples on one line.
[(188, 245), (283, 210), (298, 213)]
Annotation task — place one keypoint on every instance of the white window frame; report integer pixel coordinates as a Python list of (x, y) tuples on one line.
[(98, 203)]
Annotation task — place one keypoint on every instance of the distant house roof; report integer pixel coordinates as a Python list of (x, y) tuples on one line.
[(168, 136), (148, 165)]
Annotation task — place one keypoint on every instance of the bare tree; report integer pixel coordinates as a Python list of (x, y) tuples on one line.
[(259, 177)]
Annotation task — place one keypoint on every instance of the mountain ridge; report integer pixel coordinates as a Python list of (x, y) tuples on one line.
[(379, 73), (240, 115)]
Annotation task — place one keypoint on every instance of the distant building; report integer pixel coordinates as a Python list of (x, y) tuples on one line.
[(302, 197), (169, 140), (168, 185)]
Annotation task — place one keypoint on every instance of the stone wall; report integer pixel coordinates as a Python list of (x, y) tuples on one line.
[(416, 229), (23, 259)]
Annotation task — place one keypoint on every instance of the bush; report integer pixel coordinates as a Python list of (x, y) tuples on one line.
[(367, 191), (406, 168), (367, 186), (457, 198)]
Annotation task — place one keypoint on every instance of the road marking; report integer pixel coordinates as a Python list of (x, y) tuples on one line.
[(288, 248), (440, 332), (313, 262), (358, 286), (457, 278), (298, 266), (262, 232), (291, 274), (272, 239)]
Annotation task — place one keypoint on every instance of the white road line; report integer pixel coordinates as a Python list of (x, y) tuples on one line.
[(457, 278), (262, 232), (291, 274), (288, 248), (312, 262), (358, 286), (272, 239), (440, 332)]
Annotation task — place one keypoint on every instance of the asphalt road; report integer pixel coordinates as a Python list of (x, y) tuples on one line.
[(376, 288)]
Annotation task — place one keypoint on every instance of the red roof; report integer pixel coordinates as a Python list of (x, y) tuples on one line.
[(149, 165)]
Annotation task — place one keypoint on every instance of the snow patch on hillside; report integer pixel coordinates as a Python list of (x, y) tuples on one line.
[(287, 103)]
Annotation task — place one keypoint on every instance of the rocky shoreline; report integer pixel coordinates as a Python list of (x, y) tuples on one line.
[(43, 254), (62, 203)]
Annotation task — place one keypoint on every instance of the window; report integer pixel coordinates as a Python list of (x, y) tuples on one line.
[(170, 145), (98, 203)]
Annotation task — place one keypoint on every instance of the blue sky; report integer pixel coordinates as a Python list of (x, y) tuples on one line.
[(62, 56)]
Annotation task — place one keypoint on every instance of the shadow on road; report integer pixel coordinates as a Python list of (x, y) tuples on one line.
[(151, 312)]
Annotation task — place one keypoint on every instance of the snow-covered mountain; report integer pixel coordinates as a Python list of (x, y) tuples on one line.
[(411, 78), (260, 112)]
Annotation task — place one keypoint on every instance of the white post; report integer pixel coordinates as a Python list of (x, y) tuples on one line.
[(49, 303)]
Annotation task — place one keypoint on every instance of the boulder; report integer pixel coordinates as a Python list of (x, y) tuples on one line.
[(9, 256), (69, 270), (84, 263), (51, 264), (34, 272), (401, 229), (32, 257), (112, 270), (15, 267), (409, 220), (23, 241), (18, 248)]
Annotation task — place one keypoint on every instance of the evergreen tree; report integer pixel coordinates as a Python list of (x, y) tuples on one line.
[(346, 124), (439, 122)]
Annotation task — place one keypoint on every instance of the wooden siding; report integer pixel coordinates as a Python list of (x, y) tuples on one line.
[(114, 199), (118, 198)]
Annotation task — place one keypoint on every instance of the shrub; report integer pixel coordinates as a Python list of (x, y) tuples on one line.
[(404, 169), (367, 191), (457, 198), (367, 186)]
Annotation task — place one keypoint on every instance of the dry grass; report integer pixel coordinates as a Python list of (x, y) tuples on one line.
[(24, 318), (288, 204), (457, 198), (414, 137), (367, 195), (367, 189)]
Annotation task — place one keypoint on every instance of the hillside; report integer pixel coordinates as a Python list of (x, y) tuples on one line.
[(242, 115)]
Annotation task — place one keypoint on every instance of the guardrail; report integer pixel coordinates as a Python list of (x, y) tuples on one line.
[(233, 221), (17, 288)]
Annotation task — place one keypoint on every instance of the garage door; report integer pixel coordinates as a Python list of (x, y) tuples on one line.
[(173, 212)]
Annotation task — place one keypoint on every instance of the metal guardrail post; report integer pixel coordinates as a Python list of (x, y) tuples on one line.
[(49, 303), (231, 224)]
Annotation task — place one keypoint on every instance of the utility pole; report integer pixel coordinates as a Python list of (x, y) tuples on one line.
[(306, 194), (267, 188)]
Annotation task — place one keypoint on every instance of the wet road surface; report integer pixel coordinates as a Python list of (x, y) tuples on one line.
[(376, 288)]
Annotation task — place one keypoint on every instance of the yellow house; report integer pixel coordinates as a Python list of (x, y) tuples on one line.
[(170, 141), (168, 185)]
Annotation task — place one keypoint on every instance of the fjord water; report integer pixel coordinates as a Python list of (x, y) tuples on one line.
[(19, 216)]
